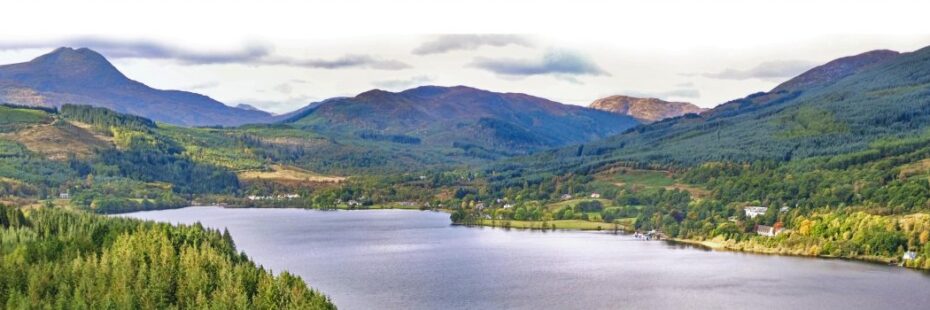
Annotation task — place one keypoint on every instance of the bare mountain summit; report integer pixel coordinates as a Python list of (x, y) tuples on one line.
[(644, 109)]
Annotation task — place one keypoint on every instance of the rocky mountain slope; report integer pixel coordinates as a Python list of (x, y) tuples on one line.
[(644, 109)]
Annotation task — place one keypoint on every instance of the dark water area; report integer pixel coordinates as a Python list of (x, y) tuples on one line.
[(397, 259)]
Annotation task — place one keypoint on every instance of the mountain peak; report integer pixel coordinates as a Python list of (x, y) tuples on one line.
[(83, 76), (419, 91), (82, 63), (375, 94), (67, 55), (645, 109)]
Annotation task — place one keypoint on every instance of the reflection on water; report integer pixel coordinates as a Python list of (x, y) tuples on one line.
[(393, 259)]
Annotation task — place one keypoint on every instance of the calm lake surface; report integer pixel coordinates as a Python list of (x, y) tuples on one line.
[(395, 259)]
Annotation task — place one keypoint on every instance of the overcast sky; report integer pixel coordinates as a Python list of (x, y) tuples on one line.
[(281, 55)]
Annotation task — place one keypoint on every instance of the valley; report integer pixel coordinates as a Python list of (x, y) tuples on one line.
[(832, 163)]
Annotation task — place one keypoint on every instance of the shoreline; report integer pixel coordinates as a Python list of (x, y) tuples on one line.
[(575, 225), (720, 246)]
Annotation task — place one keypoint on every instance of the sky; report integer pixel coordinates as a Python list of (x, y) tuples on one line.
[(281, 55)]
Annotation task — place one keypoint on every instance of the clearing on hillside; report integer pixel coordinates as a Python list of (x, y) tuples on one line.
[(288, 175)]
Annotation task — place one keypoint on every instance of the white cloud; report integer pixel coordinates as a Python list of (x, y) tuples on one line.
[(400, 84), (252, 54), (690, 93), (347, 61), (770, 70), (454, 42), (562, 63)]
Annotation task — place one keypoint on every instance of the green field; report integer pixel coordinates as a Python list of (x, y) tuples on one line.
[(622, 224), (572, 202), (648, 178), (16, 116)]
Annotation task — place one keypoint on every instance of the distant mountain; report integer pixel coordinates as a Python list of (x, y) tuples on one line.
[(835, 108), (644, 109), (82, 76), (843, 106), (461, 117)]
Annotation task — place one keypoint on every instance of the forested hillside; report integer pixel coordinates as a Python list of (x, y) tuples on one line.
[(60, 259), (867, 97), (104, 161)]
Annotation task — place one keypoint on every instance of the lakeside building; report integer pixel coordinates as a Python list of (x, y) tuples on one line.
[(768, 231)]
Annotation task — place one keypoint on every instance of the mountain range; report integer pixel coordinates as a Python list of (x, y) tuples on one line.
[(460, 115), (82, 76), (447, 116), (840, 106)]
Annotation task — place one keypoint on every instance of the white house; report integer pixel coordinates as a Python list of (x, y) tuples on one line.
[(768, 231), (909, 255), (754, 211), (64, 195), (595, 195), (354, 203)]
